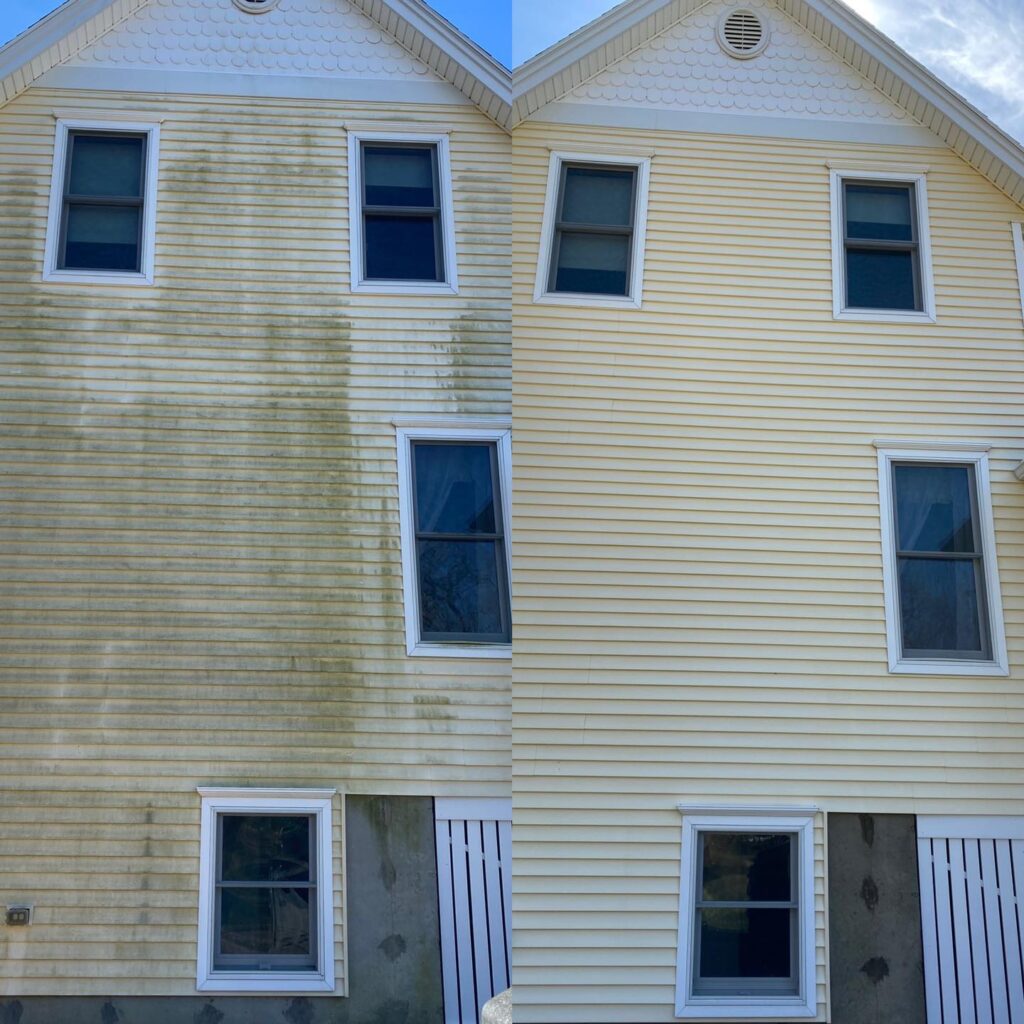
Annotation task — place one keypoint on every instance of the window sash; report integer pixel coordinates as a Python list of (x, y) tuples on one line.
[(497, 537), (740, 986), (977, 556), (884, 244), (265, 961), (70, 199), (561, 226), (433, 213)]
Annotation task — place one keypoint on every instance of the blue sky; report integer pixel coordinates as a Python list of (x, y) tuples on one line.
[(974, 45)]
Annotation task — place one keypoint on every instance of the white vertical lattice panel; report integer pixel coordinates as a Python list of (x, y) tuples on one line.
[(474, 876), (972, 915)]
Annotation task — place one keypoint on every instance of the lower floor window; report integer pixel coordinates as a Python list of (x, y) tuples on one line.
[(747, 916), (265, 895)]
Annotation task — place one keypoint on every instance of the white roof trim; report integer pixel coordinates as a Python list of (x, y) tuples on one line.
[(440, 45), (558, 70)]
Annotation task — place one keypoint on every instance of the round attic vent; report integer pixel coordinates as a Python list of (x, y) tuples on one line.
[(255, 6), (742, 33)]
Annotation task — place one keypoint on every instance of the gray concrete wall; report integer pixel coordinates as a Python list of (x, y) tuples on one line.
[(394, 942), (877, 969)]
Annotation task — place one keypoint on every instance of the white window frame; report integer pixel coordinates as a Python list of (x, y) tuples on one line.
[(949, 452), (881, 176), (450, 285), (798, 821), (1018, 248), (145, 276), (407, 431), (316, 802), (634, 300)]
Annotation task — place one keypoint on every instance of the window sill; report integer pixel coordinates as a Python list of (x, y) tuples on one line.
[(404, 288), (745, 1008), (267, 983), (881, 316), (582, 299), (113, 278), (939, 667), (438, 650)]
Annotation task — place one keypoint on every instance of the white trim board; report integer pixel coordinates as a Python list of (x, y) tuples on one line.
[(634, 299), (654, 119), (734, 1007), (427, 431), (970, 826), (316, 802), (954, 453), (446, 197), (472, 808), (1017, 228), (151, 173)]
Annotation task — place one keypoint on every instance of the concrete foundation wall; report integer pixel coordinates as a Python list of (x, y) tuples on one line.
[(876, 963), (393, 932)]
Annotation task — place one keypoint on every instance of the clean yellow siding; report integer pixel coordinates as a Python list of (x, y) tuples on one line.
[(200, 571), (698, 581)]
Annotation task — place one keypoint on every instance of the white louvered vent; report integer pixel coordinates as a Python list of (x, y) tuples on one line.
[(742, 33), (255, 6)]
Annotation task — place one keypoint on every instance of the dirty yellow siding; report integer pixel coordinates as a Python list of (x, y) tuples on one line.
[(698, 573), (200, 571)]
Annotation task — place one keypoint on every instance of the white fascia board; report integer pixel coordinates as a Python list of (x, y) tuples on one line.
[(930, 88)]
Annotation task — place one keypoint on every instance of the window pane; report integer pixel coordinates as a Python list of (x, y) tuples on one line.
[(265, 921), (592, 263), (459, 587), (879, 212), (933, 508), (879, 279), (265, 848), (740, 866), (102, 238), (396, 176), (746, 943), (598, 195), (106, 166), (401, 248), (454, 488), (939, 605)]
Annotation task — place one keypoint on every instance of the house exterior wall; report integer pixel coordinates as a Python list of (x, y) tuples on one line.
[(199, 544), (698, 570)]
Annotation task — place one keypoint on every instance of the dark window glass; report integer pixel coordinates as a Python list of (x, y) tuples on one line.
[(265, 892), (738, 866), (882, 247), (460, 542), (102, 217), (940, 564), (402, 213), (593, 239), (745, 942), (745, 927)]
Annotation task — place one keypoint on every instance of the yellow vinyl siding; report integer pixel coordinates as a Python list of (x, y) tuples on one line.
[(200, 566), (698, 577)]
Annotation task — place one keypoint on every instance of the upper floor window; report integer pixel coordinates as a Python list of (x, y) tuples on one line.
[(881, 254), (747, 917), (942, 596), (453, 494), (401, 224), (102, 210), (266, 910), (593, 234)]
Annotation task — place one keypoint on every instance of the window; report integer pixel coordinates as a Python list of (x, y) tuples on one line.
[(453, 497), (881, 252), (593, 233), (943, 608), (102, 206), (266, 904), (746, 932), (403, 236)]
